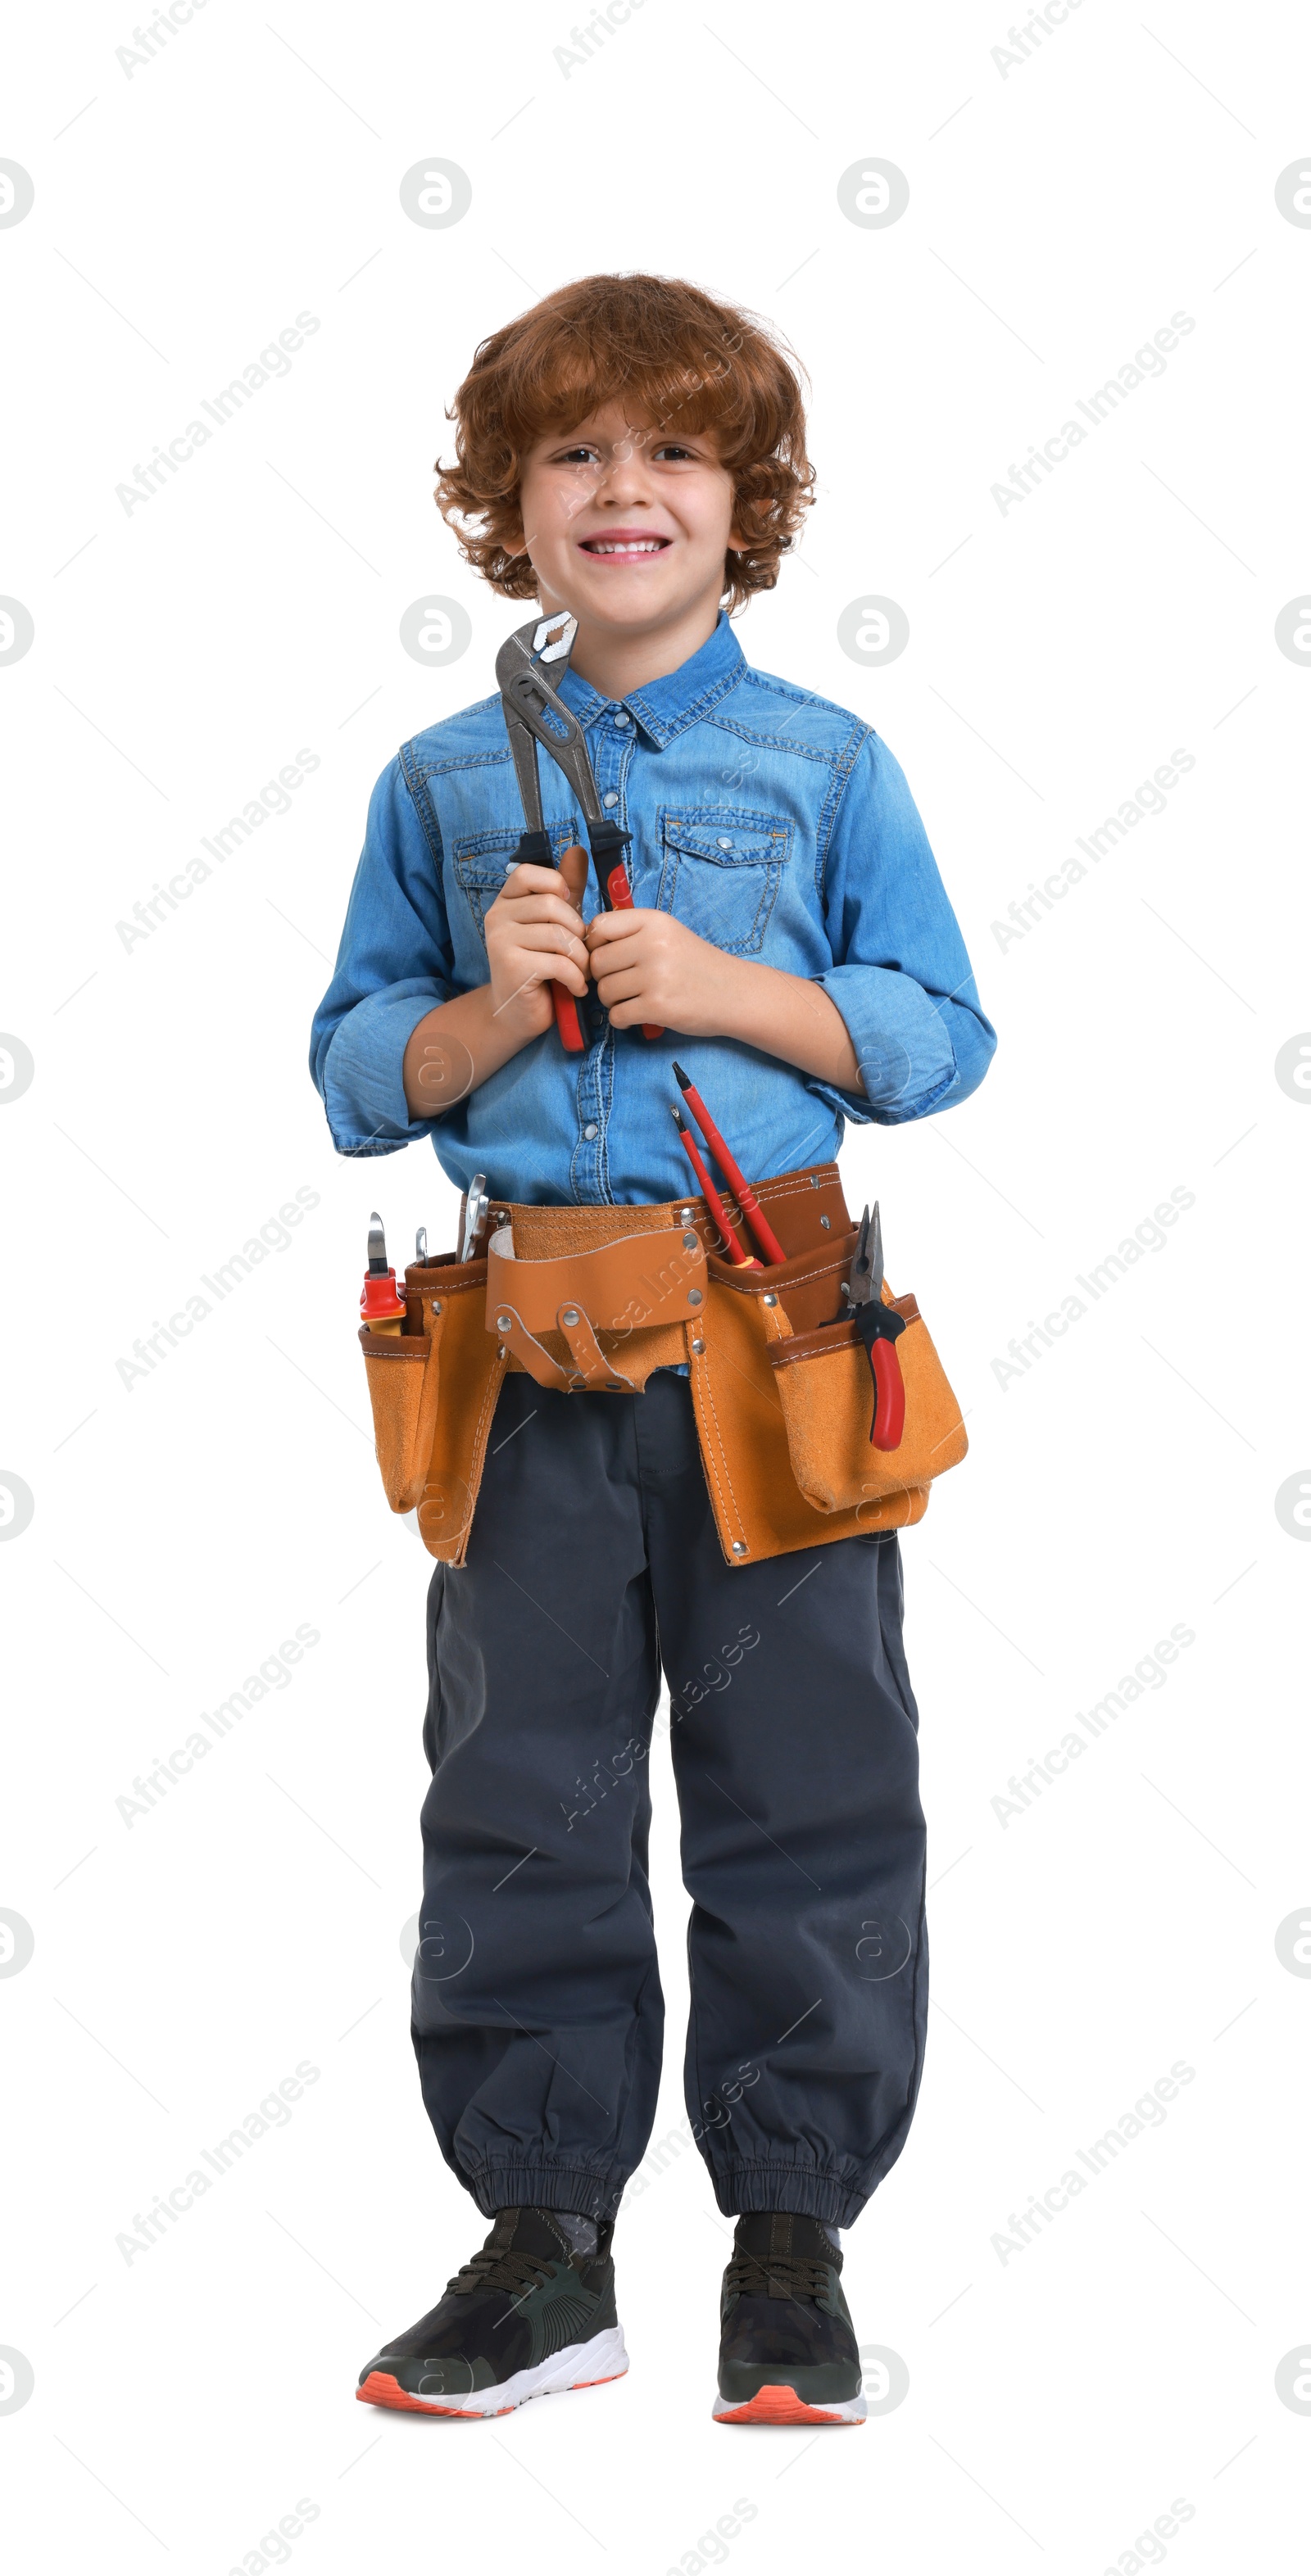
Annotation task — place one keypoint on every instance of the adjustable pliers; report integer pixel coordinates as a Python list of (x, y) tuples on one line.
[(535, 713), (880, 1329)]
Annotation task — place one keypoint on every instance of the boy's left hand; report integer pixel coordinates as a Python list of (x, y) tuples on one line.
[(652, 970)]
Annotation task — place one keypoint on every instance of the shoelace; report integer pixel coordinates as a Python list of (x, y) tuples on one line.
[(788, 2276), (491, 2270)]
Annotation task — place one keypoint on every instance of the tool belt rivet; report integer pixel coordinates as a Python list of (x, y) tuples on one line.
[(694, 1296), (569, 1315), (698, 1347), (502, 1323), (690, 1242), (436, 1305), (739, 1547), (825, 1222), (769, 1298)]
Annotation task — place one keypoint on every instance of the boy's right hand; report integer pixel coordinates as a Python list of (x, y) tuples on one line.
[(535, 938)]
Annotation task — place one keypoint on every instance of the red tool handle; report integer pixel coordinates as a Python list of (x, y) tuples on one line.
[(737, 1181), (621, 900), (566, 1019), (889, 1396), (741, 1260)]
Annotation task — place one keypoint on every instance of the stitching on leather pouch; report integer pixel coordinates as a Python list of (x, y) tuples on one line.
[(479, 1444), (729, 1504), (803, 1279), (787, 1186), (710, 1391), (716, 1462)]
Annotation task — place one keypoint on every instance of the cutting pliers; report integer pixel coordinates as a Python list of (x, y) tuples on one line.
[(880, 1329), (535, 713)]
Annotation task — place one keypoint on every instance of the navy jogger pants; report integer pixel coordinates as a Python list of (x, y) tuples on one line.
[(593, 1563)]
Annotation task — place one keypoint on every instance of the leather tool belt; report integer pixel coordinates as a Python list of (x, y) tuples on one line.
[(589, 1300)]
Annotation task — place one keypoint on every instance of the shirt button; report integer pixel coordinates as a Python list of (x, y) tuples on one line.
[(611, 799), (622, 719), (590, 1130), (723, 844)]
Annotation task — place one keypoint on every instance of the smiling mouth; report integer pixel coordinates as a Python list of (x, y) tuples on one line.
[(624, 549)]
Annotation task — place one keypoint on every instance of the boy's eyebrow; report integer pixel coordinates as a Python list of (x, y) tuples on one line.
[(642, 434)]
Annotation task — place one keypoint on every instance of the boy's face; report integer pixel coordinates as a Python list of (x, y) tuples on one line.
[(627, 527)]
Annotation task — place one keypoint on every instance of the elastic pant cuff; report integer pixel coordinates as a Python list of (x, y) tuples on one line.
[(544, 2186), (830, 2197)]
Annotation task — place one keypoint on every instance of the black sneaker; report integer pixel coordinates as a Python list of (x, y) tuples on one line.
[(787, 2352), (526, 2317)]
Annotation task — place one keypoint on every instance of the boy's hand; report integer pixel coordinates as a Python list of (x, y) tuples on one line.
[(651, 969), (535, 938)]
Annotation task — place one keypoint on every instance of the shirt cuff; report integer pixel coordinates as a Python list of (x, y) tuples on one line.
[(363, 1090), (906, 1058)]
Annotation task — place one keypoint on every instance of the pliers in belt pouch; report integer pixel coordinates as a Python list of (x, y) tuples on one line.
[(534, 713), (880, 1329)]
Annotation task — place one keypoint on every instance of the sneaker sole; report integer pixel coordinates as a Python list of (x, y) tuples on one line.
[(781, 2405), (577, 2365)]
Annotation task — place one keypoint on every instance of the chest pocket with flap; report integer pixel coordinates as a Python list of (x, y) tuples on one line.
[(720, 873), (484, 861)]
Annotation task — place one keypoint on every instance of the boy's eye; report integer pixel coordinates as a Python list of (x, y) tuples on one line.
[(675, 453), (577, 456)]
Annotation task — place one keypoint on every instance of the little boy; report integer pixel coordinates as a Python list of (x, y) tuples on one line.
[(633, 453)]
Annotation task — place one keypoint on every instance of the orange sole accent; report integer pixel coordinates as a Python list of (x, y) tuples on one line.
[(779, 2406), (380, 2389)]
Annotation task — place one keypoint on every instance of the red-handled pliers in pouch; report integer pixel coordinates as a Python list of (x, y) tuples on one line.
[(880, 1328)]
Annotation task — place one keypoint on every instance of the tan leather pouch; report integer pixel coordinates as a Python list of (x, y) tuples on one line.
[(784, 1399), (827, 1394), (433, 1390)]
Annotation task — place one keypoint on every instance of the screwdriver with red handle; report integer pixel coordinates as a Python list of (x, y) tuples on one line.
[(741, 1187), (741, 1259)]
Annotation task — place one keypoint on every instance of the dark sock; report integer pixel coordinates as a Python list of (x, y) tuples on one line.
[(581, 2232)]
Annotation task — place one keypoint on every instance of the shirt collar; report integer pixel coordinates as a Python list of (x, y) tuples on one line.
[(667, 706)]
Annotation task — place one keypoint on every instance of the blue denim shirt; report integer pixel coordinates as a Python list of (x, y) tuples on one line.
[(776, 825)]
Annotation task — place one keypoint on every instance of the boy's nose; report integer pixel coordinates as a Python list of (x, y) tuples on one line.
[(624, 476)]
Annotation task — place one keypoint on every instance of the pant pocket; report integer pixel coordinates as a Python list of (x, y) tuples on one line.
[(890, 1605)]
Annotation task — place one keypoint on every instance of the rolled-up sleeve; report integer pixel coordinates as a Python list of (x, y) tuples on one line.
[(900, 977), (394, 965)]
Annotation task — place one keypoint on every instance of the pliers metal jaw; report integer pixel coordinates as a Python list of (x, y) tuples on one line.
[(880, 1329)]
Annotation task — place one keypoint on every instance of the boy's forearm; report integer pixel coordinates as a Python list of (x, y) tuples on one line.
[(791, 1017), (456, 1047)]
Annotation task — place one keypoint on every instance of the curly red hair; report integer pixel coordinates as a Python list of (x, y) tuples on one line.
[(678, 360)]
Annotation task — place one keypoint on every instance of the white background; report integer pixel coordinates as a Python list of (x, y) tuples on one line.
[(1059, 2401)]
